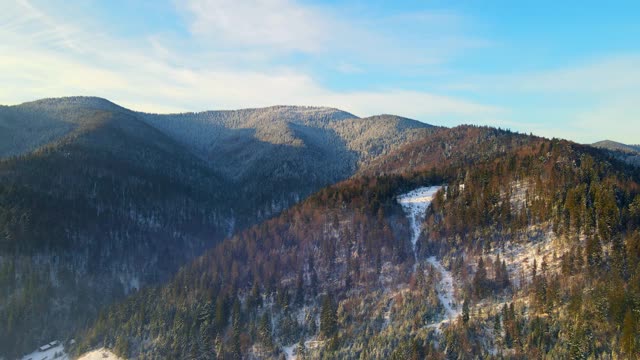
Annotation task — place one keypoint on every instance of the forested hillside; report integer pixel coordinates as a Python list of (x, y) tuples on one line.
[(627, 153), (539, 236), (298, 149), (85, 220), (97, 201)]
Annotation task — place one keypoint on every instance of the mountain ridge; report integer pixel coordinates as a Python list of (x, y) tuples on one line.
[(627, 153), (614, 145), (101, 186), (336, 274)]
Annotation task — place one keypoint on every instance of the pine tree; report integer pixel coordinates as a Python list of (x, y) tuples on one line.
[(593, 251), (313, 277), (328, 317), (505, 281), (629, 333), (221, 313), (301, 351), (299, 299), (480, 280), (465, 311), (264, 330)]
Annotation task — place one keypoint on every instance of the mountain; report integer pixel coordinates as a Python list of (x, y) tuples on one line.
[(98, 201), (612, 145), (299, 149), (627, 153), (309, 232), (530, 248)]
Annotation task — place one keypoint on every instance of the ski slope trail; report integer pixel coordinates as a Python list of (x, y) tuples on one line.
[(445, 289), (415, 204)]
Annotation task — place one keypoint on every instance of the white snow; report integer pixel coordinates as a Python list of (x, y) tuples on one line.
[(415, 203), (288, 352), (48, 354), (100, 354), (445, 289), (309, 343), (540, 246), (57, 353)]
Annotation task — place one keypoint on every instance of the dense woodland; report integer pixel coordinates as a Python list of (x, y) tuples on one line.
[(97, 201), (541, 237), (93, 217), (335, 274)]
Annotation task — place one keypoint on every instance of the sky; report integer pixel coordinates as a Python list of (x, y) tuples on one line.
[(568, 69)]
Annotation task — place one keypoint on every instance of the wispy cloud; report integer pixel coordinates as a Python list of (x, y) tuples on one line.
[(258, 53), (618, 72), (280, 24), (585, 101), (150, 74)]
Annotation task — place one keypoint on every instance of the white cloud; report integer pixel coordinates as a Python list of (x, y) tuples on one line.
[(598, 76), (281, 24), (148, 74), (586, 101), (160, 87), (607, 119)]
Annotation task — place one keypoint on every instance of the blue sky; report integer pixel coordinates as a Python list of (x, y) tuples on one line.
[(566, 69)]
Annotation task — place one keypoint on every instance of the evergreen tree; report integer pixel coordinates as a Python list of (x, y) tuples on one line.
[(301, 351), (221, 313), (264, 331), (465, 311), (328, 317), (299, 298), (629, 334), (480, 280)]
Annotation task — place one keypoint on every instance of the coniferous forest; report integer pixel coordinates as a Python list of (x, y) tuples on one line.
[(541, 237), (123, 234)]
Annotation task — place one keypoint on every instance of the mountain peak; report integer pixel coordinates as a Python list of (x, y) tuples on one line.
[(614, 145), (74, 101)]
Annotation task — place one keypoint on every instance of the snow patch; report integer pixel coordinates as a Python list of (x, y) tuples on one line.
[(100, 354), (289, 352), (445, 289), (415, 204), (55, 351), (50, 351)]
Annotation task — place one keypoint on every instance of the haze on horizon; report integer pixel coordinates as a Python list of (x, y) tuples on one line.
[(568, 70)]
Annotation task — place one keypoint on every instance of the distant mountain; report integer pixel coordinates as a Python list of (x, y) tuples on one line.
[(298, 149), (97, 200), (31, 125), (612, 145), (627, 153)]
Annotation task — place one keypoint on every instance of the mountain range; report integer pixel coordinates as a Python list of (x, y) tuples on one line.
[(278, 232), (98, 200), (624, 152)]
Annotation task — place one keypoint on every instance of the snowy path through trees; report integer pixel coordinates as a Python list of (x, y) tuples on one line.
[(445, 289), (415, 204)]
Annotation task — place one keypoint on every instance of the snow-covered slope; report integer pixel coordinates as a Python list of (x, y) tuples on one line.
[(206, 131), (25, 127), (415, 204), (55, 351), (100, 354), (445, 289), (50, 351)]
